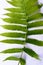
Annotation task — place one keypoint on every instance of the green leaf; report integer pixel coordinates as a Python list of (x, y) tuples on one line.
[(35, 32), (13, 50), (16, 21), (12, 41), (31, 53), (35, 16), (16, 10), (35, 42), (22, 61), (14, 27), (35, 24), (32, 9), (16, 15), (12, 58), (13, 34), (15, 3), (31, 6), (22, 12)]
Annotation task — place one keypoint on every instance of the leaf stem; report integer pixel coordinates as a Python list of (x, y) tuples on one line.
[(26, 30)]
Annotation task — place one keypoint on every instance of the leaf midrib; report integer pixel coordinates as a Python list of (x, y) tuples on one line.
[(26, 28)]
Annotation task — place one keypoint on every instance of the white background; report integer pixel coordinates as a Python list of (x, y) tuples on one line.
[(39, 50)]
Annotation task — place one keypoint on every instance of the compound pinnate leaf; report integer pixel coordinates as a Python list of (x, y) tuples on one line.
[(22, 12)]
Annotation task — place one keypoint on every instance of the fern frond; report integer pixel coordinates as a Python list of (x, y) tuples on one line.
[(23, 12)]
